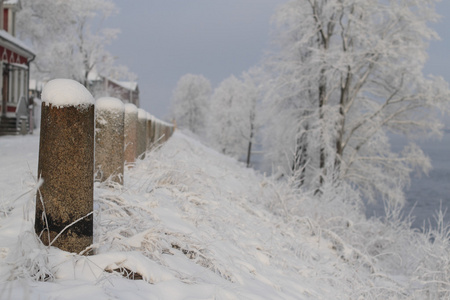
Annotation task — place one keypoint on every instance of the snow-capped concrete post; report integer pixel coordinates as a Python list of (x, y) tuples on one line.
[(164, 133), (141, 133), (157, 132), (154, 124), (152, 131), (149, 131), (168, 135), (160, 132), (64, 202), (130, 134), (109, 139), (172, 128)]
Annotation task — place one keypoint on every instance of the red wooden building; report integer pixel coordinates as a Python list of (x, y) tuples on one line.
[(15, 58)]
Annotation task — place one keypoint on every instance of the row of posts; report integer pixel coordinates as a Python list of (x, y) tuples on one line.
[(82, 141)]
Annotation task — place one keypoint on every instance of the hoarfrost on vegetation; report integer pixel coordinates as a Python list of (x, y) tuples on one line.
[(70, 40), (194, 223)]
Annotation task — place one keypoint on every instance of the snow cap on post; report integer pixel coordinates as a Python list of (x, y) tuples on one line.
[(142, 114), (110, 104), (130, 108), (66, 92)]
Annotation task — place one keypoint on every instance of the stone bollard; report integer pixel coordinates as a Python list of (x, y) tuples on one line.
[(157, 132), (163, 133), (141, 133), (149, 131), (64, 203), (152, 131), (154, 124), (109, 139), (130, 134), (172, 129), (167, 132)]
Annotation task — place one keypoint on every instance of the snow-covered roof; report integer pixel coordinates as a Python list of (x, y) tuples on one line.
[(129, 85), (11, 2), (15, 44)]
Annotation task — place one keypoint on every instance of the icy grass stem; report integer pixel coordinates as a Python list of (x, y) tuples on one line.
[(65, 228)]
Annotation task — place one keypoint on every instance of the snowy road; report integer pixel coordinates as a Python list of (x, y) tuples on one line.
[(18, 164)]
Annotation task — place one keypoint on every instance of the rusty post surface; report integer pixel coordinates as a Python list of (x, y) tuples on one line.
[(66, 165), (109, 140), (130, 133)]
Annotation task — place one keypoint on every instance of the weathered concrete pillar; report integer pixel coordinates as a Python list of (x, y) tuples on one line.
[(131, 120), (152, 131), (141, 133), (164, 132), (109, 139), (64, 203), (149, 131), (167, 132), (160, 132), (154, 121), (157, 132), (172, 128)]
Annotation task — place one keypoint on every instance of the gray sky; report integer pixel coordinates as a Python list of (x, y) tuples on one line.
[(161, 40)]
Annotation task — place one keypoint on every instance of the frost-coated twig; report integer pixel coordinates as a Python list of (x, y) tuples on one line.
[(44, 215), (65, 228)]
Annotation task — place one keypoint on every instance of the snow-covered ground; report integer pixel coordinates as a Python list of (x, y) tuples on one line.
[(197, 225)]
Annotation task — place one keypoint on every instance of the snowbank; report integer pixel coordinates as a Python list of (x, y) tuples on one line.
[(192, 224)]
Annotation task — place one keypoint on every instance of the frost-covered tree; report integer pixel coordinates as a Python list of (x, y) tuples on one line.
[(250, 119), (232, 122), (347, 74), (190, 102), (68, 38)]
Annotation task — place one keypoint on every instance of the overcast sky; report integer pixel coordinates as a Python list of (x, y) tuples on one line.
[(161, 40)]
